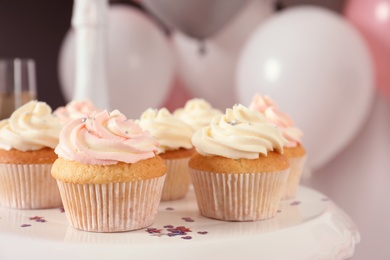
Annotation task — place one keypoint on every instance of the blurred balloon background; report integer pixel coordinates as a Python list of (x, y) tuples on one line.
[(311, 60), (141, 65), (208, 67), (329, 70), (334, 5), (198, 19)]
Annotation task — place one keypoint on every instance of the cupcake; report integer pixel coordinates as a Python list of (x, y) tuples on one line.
[(293, 149), (174, 137), (74, 109), (238, 170), (108, 174), (197, 113), (27, 142)]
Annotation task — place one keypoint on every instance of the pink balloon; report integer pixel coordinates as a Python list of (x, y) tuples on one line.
[(372, 18), (178, 95)]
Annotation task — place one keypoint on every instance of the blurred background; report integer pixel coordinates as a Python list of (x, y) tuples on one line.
[(325, 62)]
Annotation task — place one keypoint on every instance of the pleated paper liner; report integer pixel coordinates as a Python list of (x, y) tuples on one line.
[(177, 181), (112, 207), (28, 186), (238, 197), (294, 177)]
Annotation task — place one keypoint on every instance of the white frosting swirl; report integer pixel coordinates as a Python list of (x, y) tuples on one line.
[(30, 127), (240, 133), (171, 132), (197, 113)]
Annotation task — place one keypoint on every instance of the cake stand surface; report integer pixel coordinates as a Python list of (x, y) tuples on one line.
[(310, 226)]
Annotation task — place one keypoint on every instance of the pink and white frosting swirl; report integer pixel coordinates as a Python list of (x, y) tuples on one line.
[(197, 113), (171, 132), (30, 127), (240, 133), (105, 138), (74, 109), (266, 106)]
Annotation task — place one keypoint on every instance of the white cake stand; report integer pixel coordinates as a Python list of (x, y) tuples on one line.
[(308, 227)]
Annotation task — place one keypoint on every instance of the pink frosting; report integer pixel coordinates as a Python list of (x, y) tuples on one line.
[(269, 109), (74, 109), (105, 138)]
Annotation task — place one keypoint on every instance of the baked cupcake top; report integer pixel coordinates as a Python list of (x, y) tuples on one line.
[(30, 127), (105, 138), (266, 106), (197, 113), (171, 132), (239, 133), (74, 109)]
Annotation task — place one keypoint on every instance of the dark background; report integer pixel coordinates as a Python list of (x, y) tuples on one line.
[(35, 29)]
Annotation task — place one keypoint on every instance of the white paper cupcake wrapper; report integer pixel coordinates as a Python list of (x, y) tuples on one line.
[(28, 186), (177, 181), (238, 197), (111, 207), (294, 177)]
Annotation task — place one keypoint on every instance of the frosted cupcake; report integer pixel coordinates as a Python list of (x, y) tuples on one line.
[(27, 142), (175, 148), (238, 170), (108, 174), (293, 149), (197, 113), (74, 110)]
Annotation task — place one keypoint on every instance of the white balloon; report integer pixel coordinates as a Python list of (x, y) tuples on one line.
[(211, 75), (317, 67), (141, 64)]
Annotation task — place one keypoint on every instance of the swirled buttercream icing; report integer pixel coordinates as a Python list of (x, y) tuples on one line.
[(239, 133), (197, 113), (105, 138), (74, 109), (171, 132), (273, 115), (30, 127)]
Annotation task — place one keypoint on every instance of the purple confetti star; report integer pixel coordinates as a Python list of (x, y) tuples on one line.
[(153, 230), (168, 226), (188, 219)]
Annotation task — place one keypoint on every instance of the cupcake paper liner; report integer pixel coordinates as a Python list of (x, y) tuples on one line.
[(177, 181), (111, 207), (28, 186), (294, 177), (238, 197)]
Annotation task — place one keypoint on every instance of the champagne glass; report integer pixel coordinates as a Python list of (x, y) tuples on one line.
[(17, 84)]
